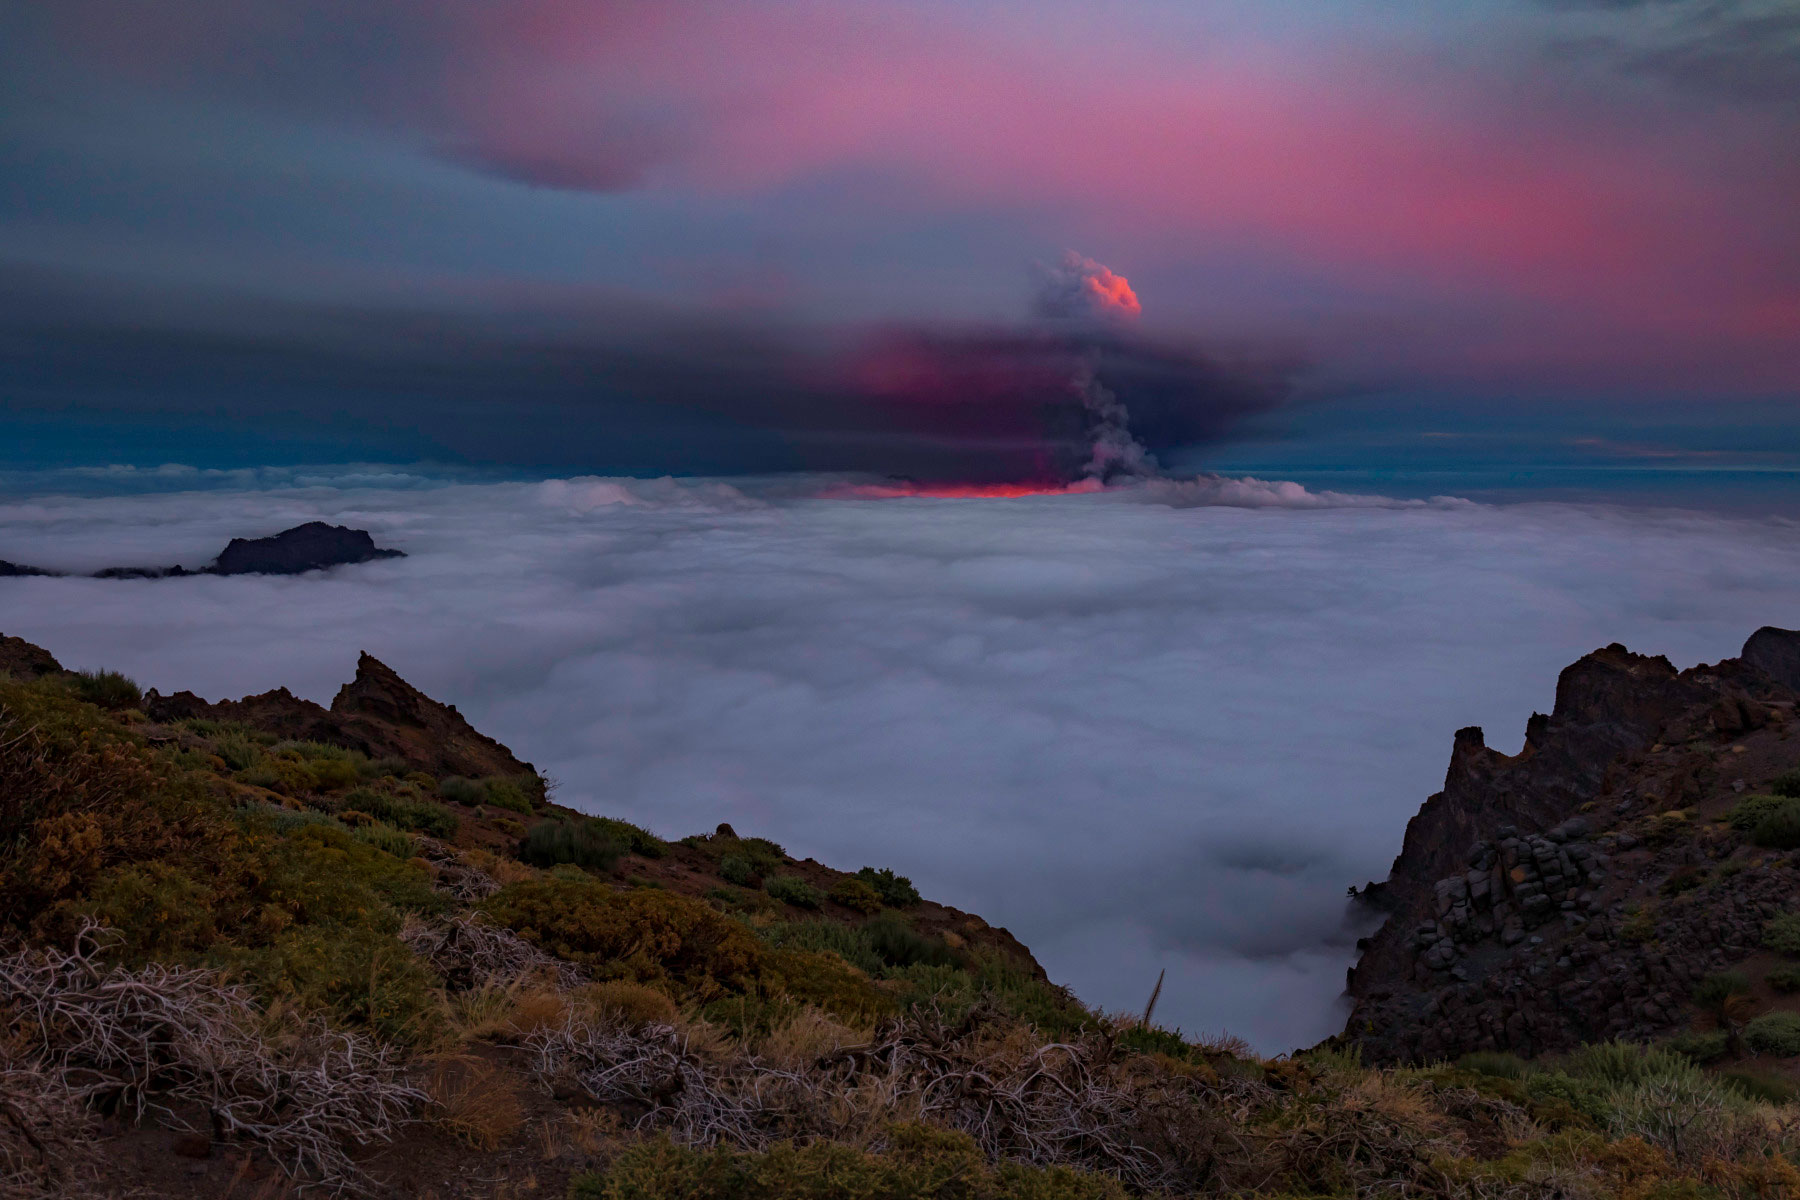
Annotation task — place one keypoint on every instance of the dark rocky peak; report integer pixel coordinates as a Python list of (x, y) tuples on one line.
[(309, 547), (11, 570), (22, 660), (1776, 653)]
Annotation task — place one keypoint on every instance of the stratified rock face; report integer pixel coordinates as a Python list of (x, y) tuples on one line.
[(22, 660), (378, 714), (1515, 895), (309, 547)]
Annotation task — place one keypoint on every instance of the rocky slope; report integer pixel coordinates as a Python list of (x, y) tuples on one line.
[(1580, 889)]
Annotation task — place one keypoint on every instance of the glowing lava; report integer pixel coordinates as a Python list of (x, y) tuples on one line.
[(958, 491)]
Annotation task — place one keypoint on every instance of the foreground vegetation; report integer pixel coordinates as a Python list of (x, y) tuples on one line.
[(341, 962)]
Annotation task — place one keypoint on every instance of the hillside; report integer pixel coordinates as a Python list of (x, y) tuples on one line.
[(267, 947)]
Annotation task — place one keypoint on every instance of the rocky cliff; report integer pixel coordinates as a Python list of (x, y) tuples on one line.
[(1577, 890)]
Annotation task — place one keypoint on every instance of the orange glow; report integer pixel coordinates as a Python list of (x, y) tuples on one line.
[(957, 491), (1112, 293)]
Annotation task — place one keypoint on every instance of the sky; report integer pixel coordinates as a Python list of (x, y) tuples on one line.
[(697, 236)]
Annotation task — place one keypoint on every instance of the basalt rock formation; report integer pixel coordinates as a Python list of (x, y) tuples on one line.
[(1575, 891), (314, 546)]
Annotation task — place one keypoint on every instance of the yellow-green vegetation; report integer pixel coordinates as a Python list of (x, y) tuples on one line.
[(791, 889), (497, 791), (916, 1163), (896, 891), (580, 843)]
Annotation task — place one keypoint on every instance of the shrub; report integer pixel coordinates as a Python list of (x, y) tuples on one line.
[(1712, 992), (238, 750), (854, 893), (1495, 1063), (1782, 934), (634, 838), (1552, 1088), (1748, 813), (918, 1162), (334, 774), (997, 981), (791, 889), (1760, 1085), (735, 868), (1700, 1047), (495, 790), (1787, 784), (762, 850), (1148, 1039), (896, 891), (358, 974), (645, 935), (404, 812), (581, 843), (474, 1101), (1618, 1064), (387, 839), (107, 689), (1784, 979), (629, 1002), (1776, 1033), (898, 944), (1780, 830), (284, 775)]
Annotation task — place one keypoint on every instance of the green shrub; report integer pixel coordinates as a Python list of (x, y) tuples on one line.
[(1552, 1088), (288, 776), (634, 838), (379, 768), (998, 981), (495, 790), (1782, 934), (1148, 1039), (1619, 1064), (898, 944), (735, 868), (762, 850), (856, 894), (1784, 979), (1700, 1047), (404, 812), (1712, 992), (848, 942), (359, 975), (107, 689), (238, 749), (1495, 1063), (645, 934), (1760, 1085), (315, 751), (1787, 784), (919, 1163), (584, 844), (1780, 830), (1749, 812), (334, 774), (387, 839), (896, 891), (791, 889), (1776, 1033)]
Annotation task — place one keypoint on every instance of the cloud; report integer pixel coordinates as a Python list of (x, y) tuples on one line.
[(1081, 289), (1137, 734)]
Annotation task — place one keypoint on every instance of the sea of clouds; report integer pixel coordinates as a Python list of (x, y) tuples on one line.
[(1161, 726)]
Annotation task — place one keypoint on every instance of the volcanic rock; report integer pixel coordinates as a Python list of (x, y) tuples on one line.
[(22, 660), (309, 547)]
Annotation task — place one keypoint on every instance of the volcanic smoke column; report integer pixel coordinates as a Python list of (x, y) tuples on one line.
[(1092, 297)]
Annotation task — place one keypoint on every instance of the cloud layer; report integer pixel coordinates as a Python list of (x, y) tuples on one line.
[(1142, 727)]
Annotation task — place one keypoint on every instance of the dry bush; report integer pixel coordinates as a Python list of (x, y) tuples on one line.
[(471, 952), (45, 1132), (535, 1008), (807, 1038), (457, 874), (481, 1105), (166, 1038), (623, 1002)]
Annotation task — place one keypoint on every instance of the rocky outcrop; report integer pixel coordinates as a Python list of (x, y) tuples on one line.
[(314, 546), (11, 570), (22, 660), (378, 713), (1532, 902)]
